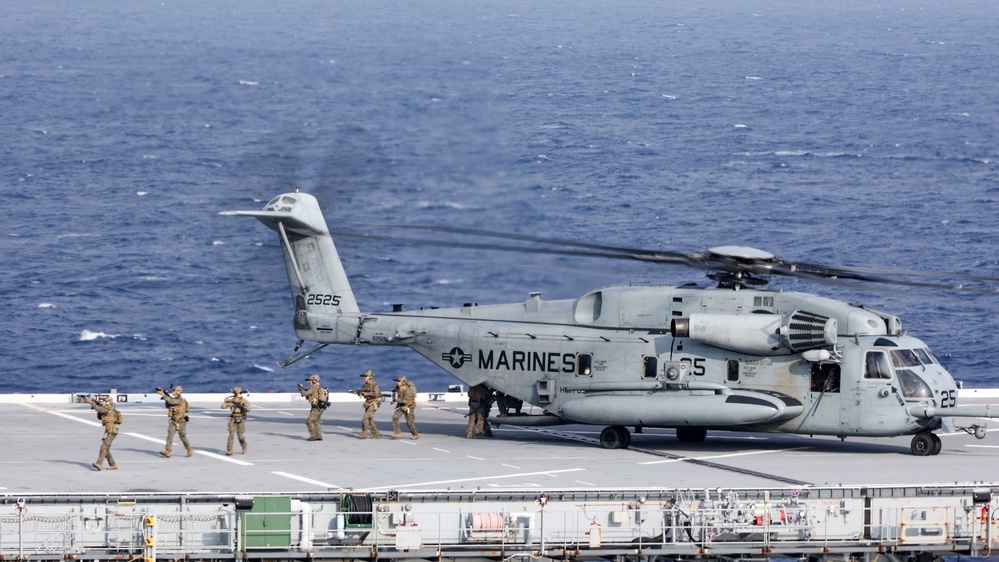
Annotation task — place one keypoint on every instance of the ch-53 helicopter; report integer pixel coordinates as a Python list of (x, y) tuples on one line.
[(730, 357)]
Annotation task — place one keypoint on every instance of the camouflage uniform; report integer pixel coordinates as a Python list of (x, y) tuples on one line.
[(109, 418), (239, 407), (177, 409), (316, 412), (479, 403), (372, 396), (405, 398)]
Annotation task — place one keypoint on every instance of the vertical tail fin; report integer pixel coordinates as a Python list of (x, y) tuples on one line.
[(319, 284)]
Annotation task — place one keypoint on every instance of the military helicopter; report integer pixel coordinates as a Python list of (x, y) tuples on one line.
[(730, 357)]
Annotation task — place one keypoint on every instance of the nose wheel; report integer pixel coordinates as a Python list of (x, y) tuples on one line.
[(925, 444)]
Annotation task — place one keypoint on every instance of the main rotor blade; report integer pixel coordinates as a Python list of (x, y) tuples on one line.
[(753, 262), (486, 246), (845, 270), (849, 280), (532, 238)]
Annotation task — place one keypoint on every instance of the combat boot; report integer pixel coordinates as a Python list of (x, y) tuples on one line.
[(228, 453), (376, 436), (362, 436), (244, 449), (95, 465), (415, 436), (397, 435), (113, 467), (165, 453), (190, 452)]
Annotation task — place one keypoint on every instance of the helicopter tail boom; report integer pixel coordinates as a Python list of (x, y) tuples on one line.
[(321, 292)]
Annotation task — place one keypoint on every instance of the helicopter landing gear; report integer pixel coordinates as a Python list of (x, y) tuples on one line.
[(691, 434), (615, 437), (925, 444)]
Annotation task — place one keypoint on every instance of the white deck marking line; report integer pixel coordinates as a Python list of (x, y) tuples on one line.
[(983, 446), (62, 415), (285, 413), (442, 450), (726, 456), (137, 435), (511, 466), (475, 458), (146, 437), (584, 483), (518, 475), (304, 479), (225, 458)]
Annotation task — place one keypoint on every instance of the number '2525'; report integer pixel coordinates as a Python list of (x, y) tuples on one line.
[(331, 300)]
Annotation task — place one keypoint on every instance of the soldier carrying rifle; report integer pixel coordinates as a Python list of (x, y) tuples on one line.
[(239, 406), (110, 418), (372, 400)]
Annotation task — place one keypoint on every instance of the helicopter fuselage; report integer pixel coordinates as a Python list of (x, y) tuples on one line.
[(613, 357), (686, 357)]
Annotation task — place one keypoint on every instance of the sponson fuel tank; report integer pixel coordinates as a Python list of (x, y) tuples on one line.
[(683, 408)]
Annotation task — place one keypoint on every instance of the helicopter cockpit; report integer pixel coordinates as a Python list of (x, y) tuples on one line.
[(908, 365)]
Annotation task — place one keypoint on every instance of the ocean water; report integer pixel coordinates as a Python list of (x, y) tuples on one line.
[(845, 132)]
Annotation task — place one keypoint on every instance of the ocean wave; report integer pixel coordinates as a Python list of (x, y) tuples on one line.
[(87, 335)]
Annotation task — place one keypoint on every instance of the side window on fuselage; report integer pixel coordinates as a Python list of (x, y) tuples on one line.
[(876, 366)]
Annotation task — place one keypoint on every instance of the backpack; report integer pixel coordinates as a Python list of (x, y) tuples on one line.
[(117, 417), (323, 398)]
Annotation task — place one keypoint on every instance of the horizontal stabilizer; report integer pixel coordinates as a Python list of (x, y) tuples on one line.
[(272, 218), (298, 212)]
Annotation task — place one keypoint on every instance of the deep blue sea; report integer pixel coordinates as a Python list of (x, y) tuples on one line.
[(847, 132)]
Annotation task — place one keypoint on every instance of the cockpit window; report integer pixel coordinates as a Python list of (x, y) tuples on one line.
[(912, 385), (876, 366), (905, 358), (902, 358), (926, 357)]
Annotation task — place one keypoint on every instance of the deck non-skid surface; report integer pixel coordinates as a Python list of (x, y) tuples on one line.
[(48, 448)]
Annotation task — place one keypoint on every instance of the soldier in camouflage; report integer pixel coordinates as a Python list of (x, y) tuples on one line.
[(177, 409), (109, 418), (372, 399), (405, 400), (313, 422), (239, 406), (480, 399)]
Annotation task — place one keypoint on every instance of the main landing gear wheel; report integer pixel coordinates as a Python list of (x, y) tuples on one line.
[(925, 444), (615, 437), (691, 434)]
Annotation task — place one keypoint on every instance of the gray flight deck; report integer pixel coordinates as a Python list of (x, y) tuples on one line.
[(50, 441)]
